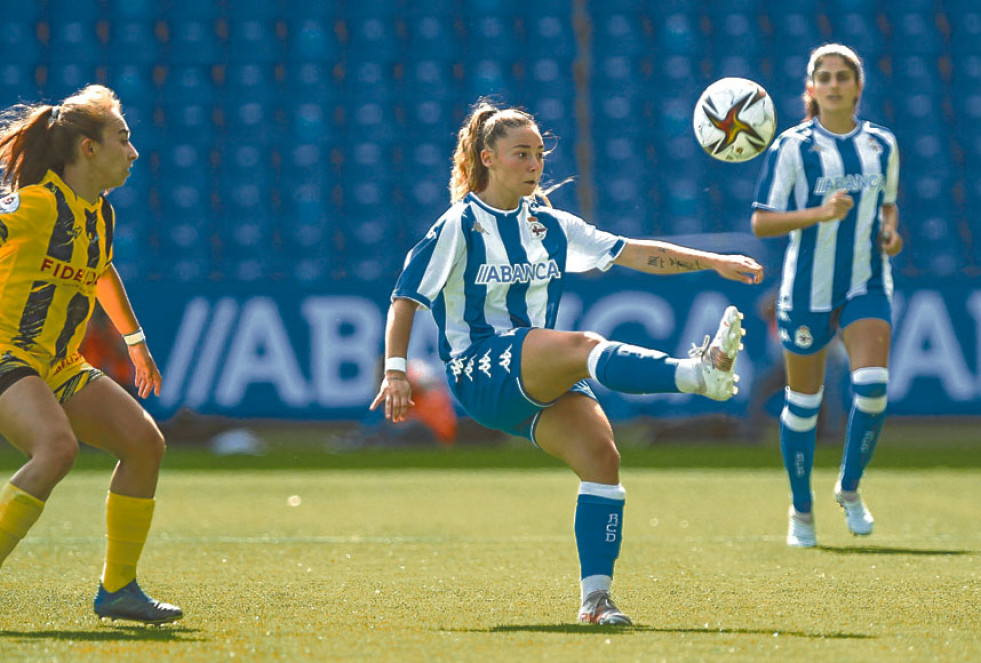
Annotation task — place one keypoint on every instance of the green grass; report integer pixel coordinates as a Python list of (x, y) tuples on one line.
[(457, 564)]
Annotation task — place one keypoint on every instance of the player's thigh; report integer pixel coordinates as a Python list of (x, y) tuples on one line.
[(805, 373), (867, 342), (575, 430), (30, 416), (106, 416), (552, 361)]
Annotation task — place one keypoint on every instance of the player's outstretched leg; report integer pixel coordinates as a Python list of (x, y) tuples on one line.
[(717, 358), (132, 604), (709, 370)]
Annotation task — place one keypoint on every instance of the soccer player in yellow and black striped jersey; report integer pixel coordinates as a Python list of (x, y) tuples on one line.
[(56, 230)]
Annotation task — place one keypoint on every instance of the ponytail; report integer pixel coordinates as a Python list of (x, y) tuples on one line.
[(37, 138)]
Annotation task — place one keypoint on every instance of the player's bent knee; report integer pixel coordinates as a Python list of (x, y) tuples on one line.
[(57, 455)]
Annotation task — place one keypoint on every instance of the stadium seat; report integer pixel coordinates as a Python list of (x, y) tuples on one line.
[(312, 40), (552, 35), (681, 34), (617, 33), (492, 37), (18, 82), (372, 37), (133, 42), (253, 41), (192, 41), (21, 45), (75, 42), (250, 81), (965, 32), (434, 37), (65, 79)]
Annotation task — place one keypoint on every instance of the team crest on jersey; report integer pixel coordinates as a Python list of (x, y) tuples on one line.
[(9, 204), (537, 228), (803, 337)]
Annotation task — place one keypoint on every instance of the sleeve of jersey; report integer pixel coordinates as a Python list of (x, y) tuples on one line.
[(891, 190), (429, 263), (22, 212), (778, 176), (589, 248)]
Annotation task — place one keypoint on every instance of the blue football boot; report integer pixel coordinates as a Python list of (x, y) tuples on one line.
[(131, 603)]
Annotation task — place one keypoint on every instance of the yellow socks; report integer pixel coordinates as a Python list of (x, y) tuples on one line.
[(127, 524), (18, 511)]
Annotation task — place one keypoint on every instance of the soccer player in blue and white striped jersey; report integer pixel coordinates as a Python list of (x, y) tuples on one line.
[(492, 270), (831, 184)]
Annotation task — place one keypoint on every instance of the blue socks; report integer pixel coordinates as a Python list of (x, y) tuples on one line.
[(864, 423), (598, 525), (631, 369), (798, 435)]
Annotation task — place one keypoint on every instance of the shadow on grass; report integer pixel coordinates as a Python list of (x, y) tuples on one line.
[(885, 550), (580, 629), (110, 634)]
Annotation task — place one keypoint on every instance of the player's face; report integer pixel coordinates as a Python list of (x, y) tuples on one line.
[(515, 164), (834, 86), (114, 155)]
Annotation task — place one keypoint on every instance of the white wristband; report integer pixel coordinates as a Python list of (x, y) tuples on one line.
[(135, 338), (396, 364)]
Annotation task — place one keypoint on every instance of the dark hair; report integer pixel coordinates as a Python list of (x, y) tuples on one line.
[(848, 56), (37, 138), (486, 123)]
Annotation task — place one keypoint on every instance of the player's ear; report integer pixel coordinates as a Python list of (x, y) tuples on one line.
[(487, 157), (87, 147)]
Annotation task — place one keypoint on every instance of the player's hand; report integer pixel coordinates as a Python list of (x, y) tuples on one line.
[(740, 268), (148, 378), (890, 241), (837, 206), (396, 393)]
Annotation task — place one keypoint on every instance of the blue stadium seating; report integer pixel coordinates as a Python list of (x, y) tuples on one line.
[(312, 120)]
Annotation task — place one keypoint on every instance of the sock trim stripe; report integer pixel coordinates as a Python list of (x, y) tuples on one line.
[(610, 492)]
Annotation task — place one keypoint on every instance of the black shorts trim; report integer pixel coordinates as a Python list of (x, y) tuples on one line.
[(15, 374)]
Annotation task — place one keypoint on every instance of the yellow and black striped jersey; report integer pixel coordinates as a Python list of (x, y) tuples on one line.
[(54, 246)]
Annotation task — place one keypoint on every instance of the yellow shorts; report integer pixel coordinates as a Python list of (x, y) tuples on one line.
[(65, 377)]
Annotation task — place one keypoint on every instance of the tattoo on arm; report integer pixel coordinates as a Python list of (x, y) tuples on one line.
[(663, 260)]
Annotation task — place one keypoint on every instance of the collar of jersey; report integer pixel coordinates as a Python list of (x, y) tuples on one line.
[(502, 213), (826, 132), (70, 194)]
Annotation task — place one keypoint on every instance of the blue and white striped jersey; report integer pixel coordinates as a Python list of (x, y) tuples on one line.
[(829, 263), (484, 271)]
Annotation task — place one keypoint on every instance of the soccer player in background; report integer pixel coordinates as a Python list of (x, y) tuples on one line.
[(831, 183), (491, 270), (56, 229)]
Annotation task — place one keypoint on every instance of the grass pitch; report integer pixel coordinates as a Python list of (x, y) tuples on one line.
[(479, 565)]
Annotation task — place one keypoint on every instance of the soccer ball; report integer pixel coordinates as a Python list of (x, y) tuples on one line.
[(734, 119)]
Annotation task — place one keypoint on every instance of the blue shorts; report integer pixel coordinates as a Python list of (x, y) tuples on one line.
[(806, 332), (486, 379)]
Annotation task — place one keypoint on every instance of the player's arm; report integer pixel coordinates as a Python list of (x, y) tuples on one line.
[(655, 257), (770, 223), (889, 238), (112, 296), (395, 391)]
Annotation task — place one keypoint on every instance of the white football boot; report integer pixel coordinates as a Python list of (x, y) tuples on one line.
[(800, 532), (857, 516), (718, 357), (599, 608)]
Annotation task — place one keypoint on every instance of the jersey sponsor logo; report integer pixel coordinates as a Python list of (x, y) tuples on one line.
[(477, 228), (60, 270), (851, 183), (521, 272), (9, 204)]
